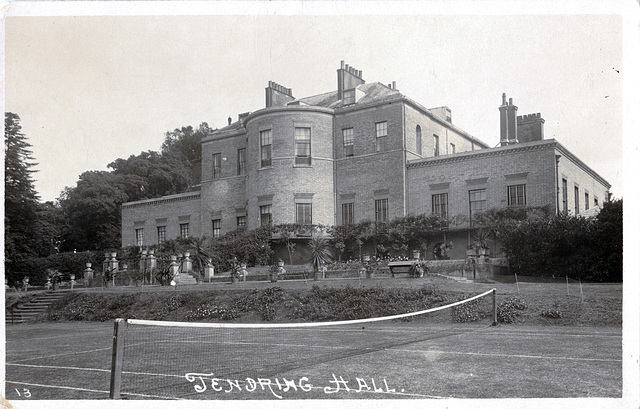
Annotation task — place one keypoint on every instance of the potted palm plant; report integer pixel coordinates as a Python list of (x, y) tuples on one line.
[(274, 272), (320, 253), (235, 270)]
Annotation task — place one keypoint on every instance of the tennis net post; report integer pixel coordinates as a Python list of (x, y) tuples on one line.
[(119, 327), (495, 308)]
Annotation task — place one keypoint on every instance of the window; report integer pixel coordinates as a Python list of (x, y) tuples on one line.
[(347, 142), (216, 227), (241, 220), (436, 145), (517, 195), (477, 202), (565, 194), (418, 140), (453, 148), (265, 148), (303, 213), (382, 210), (242, 161), (139, 237), (349, 96), (217, 165), (265, 215), (162, 234), (576, 197), (440, 205), (184, 230), (302, 147), (381, 136), (586, 201), (347, 213), (595, 201)]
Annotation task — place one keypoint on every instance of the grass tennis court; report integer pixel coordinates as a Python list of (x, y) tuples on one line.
[(72, 361)]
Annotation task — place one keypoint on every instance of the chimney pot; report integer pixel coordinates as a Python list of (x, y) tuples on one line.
[(394, 85), (510, 101), (504, 99), (342, 64), (229, 120)]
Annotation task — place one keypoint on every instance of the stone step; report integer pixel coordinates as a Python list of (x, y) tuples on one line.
[(38, 305), (185, 279), (48, 298), (32, 306)]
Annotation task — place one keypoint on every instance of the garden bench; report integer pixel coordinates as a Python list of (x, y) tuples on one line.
[(400, 266), (295, 275)]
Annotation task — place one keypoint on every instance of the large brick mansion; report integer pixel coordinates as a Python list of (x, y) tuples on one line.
[(363, 151)]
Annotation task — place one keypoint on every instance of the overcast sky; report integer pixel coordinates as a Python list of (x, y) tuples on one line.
[(91, 89)]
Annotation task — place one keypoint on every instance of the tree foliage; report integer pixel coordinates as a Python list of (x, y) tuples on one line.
[(91, 211), (20, 198), (538, 244), (183, 145)]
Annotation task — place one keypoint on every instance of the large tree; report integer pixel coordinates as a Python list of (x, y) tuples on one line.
[(161, 174), (184, 145), (92, 209), (20, 197)]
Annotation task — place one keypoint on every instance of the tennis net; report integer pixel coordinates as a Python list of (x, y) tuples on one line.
[(191, 360)]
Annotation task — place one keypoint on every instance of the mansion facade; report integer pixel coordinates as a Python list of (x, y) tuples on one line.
[(363, 152)]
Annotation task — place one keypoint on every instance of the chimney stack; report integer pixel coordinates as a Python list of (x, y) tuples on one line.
[(348, 78), (508, 122), (277, 95), (530, 128)]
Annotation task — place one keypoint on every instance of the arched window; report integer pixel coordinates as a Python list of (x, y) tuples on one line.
[(418, 140)]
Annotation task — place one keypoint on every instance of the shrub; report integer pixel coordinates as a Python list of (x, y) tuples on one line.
[(206, 312), (335, 304), (581, 248), (467, 312), (510, 309), (261, 302), (551, 313)]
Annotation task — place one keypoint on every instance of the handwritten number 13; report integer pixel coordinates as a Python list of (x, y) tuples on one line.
[(27, 393)]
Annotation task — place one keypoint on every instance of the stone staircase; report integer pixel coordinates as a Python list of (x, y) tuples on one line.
[(186, 279), (24, 312)]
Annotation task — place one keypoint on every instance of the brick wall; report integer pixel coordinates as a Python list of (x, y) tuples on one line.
[(532, 165), (370, 175), (429, 127), (284, 183), (168, 211), (577, 176), (227, 146)]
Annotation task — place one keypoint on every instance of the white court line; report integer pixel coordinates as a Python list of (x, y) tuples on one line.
[(95, 370), (86, 390), (68, 335), (555, 334), (504, 355), (59, 367), (65, 354)]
